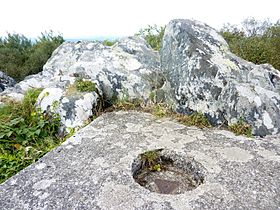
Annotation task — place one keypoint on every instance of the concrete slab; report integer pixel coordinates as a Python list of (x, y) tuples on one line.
[(92, 170)]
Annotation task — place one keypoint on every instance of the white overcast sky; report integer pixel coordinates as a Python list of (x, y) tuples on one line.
[(89, 18)]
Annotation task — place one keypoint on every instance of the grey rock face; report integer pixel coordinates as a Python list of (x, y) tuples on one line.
[(94, 169), (6, 81), (205, 76), (129, 69)]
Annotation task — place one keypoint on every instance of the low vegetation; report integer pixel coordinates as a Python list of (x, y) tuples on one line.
[(241, 128), (84, 85), (109, 43), (151, 160), (161, 110), (26, 134), (153, 35)]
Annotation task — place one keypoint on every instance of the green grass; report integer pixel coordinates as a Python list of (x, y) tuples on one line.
[(26, 134), (195, 119), (84, 86), (161, 110), (241, 128)]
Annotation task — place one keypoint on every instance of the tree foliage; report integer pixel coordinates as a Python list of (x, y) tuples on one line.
[(19, 56), (255, 41)]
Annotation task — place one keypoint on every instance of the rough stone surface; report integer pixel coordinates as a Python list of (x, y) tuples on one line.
[(6, 81), (129, 69), (195, 71), (93, 169), (205, 76)]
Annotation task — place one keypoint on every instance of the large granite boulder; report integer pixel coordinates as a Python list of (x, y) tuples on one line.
[(6, 81), (129, 69), (204, 76)]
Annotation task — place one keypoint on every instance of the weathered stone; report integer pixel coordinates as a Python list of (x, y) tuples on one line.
[(6, 81), (205, 76), (129, 69), (93, 169), (74, 110)]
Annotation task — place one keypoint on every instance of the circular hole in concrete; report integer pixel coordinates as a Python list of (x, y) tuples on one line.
[(166, 172)]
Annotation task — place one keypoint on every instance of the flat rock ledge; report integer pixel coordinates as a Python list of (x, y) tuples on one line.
[(93, 169)]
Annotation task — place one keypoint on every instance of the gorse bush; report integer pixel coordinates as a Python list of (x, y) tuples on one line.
[(26, 134), (20, 57), (153, 35), (255, 41)]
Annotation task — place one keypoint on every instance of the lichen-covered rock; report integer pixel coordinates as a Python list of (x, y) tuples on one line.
[(205, 76), (74, 110), (129, 69), (93, 170), (6, 81)]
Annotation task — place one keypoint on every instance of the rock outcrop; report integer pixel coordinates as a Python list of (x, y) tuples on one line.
[(205, 76), (195, 71), (129, 69), (6, 81), (94, 169)]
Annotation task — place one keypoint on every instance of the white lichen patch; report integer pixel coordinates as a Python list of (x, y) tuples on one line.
[(209, 163), (269, 155), (100, 162), (173, 140), (40, 166), (235, 154), (44, 195), (130, 127), (43, 184), (120, 197), (267, 120), (75, 140)]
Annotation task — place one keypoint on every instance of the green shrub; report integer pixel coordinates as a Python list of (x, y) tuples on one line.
[(153, 35), (26, 134), (84, 86), (20, 57), (256, 41)]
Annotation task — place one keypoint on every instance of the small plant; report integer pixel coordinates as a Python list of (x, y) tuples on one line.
[(153, 35), (159, 110), (84, 86), (125, 104), (198, 119), (241, 128), (156, 167), (151, 160), (152, 96), (26, 134), (195, 119), (109, 43)]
